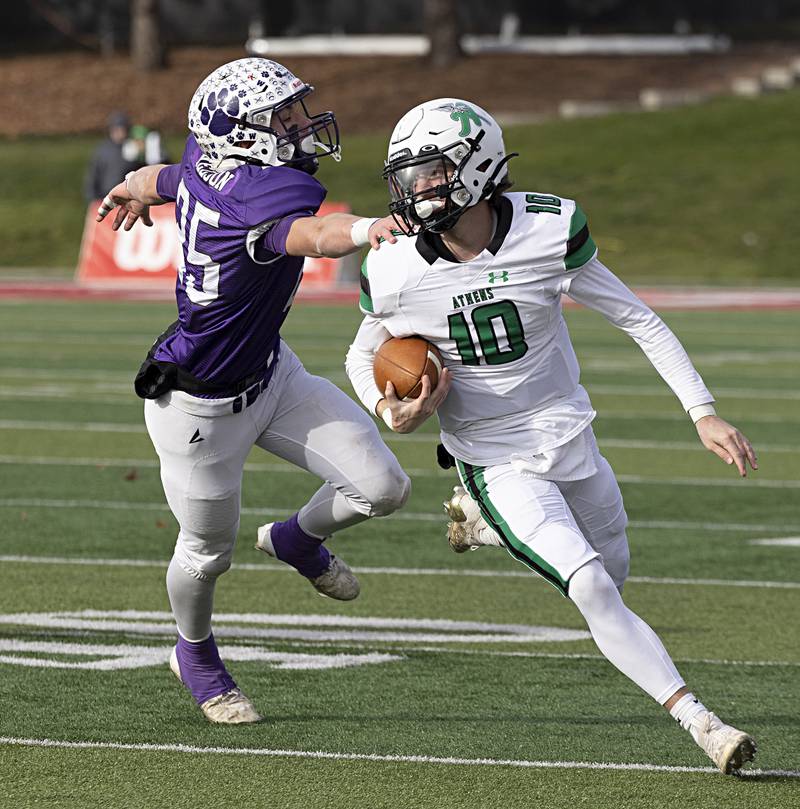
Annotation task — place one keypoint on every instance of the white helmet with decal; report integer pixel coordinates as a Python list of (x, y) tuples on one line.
[(233, 114), (444, 156)]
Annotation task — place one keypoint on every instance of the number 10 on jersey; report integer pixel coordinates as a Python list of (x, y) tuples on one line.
[(499, 333)]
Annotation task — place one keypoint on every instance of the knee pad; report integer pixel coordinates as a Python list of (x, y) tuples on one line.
[(614, 549), (208, 555), (616, 557), (390, 492), (591, 588)]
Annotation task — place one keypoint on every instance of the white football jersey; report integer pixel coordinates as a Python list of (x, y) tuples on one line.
[(498, 324)]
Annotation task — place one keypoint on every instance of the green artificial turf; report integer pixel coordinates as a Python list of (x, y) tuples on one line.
[(80, 487)]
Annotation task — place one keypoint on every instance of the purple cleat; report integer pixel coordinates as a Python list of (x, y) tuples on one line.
[(199, 667)]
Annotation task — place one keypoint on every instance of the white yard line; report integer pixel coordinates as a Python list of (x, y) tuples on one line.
[(377, 757), (578, 656), (778, 542), (720, 393), (36, 425), (393, 571), (404, 516), (75, 391), (431, 472)]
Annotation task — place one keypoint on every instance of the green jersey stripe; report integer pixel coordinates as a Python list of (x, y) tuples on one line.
[(580, 245), (581, 255), (365, 298), (578, 221), (473, 479)]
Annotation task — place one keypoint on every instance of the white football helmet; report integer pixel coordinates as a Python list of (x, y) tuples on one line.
[(445, 156), (233, 114)]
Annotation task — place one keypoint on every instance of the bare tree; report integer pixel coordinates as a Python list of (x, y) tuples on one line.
[(443, 31), (147, 43)]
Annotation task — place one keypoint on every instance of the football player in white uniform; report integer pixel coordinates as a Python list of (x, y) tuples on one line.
[(481, 275)]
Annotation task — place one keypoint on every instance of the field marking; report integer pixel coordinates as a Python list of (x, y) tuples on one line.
[(586, 656), (260, 626), (720, 392), (394, 571), (245, 653), (403, 516), (380, 757), (785, 542), (756, 393), (432, 472), (118, 657), (41, 425)]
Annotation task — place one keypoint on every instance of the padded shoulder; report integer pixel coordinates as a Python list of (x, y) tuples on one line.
[(385, 273)]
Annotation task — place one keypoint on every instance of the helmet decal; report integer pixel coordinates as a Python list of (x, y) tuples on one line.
[(467, 116), (236, 113), (444, 156)]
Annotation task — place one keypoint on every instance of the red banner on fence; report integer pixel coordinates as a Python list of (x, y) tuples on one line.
[(147, 258)]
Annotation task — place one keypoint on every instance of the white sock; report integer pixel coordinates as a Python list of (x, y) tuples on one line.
[(688, 712)]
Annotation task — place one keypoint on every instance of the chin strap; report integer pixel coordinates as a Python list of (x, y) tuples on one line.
[(490, 183)]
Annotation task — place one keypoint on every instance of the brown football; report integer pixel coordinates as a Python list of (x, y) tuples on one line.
[(404, 361)]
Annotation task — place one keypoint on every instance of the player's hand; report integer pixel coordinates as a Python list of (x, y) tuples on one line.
[(407, 416), (727, 442), (384, 230), (130, 210)]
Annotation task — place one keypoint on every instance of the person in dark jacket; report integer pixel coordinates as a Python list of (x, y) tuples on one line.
[(108, 165)]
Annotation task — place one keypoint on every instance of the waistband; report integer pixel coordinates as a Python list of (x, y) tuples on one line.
[(220, 404)]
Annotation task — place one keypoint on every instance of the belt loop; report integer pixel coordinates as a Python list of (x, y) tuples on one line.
[(237, 404), (253, 393)]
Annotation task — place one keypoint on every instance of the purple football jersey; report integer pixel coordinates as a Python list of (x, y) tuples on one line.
[(237, 283)]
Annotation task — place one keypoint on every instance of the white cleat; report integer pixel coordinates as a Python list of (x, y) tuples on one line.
[(467, 530), (726, 746), (338, 581), (230, 708)]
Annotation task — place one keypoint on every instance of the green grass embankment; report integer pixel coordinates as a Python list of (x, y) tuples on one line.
[(699, 194)]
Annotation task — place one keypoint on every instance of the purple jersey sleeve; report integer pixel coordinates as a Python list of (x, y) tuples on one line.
[(282, 196), (167, 182), (274, 240)]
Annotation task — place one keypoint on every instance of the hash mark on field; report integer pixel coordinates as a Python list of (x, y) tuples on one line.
[(785, 542), (392, 571), (379, 757)]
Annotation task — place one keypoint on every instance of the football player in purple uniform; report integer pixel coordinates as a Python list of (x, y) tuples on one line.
[(220, 379)]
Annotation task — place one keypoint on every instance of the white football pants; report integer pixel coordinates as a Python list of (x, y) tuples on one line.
[(573, 534), (202, 445)]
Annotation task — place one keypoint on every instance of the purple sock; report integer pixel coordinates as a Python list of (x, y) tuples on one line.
[(202, 671), (295, 547)]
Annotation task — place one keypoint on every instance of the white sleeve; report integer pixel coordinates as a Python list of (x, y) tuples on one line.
[(596, 287), (360, 356)]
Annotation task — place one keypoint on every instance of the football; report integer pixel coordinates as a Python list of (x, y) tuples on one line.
[(404, 361)]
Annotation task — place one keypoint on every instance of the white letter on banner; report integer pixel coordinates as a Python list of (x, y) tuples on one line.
[(145, 249)]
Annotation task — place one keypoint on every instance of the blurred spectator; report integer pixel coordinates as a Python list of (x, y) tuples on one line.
[(108, 164), (143, 147)]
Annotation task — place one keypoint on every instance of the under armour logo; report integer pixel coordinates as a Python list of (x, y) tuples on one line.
[(495, 277), (196, 438)]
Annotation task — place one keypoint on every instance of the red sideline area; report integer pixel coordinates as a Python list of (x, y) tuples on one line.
[(660, 298)]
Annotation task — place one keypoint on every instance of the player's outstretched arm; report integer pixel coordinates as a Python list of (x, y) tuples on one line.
[(337, 234), (407, 416), (133, 196), (725, 441)]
